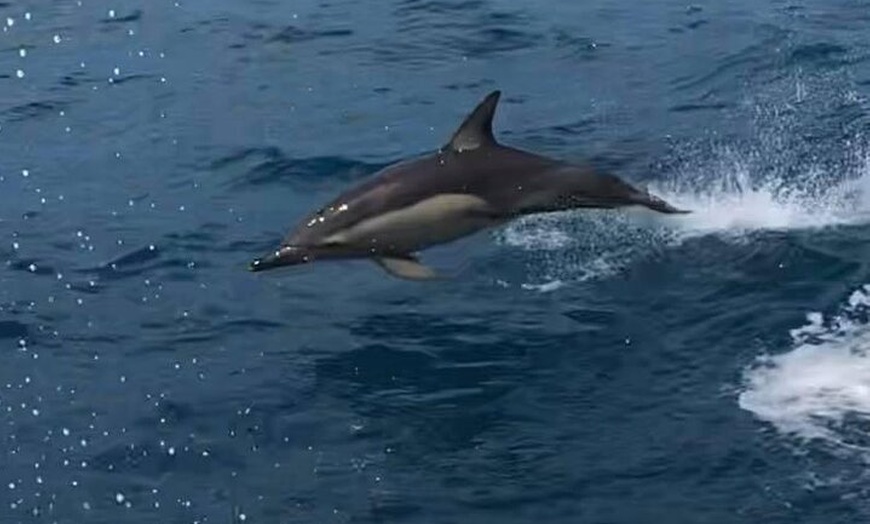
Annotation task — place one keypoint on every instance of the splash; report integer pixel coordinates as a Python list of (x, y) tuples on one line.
[(575, 247), (546, 287), (731, 197), (546, 232), (738, 197), (820, 389)]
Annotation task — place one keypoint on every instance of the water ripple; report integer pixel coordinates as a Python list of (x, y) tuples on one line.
[(31, 265), (132, 17), (32, 110), (269, 165), (293, 35), (578, 47), (13, 329), (469, 29), (753, 59)]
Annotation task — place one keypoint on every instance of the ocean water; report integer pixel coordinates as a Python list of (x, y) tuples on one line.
[(590, 366)]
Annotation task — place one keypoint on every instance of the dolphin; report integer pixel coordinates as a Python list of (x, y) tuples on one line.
[(471, 183)]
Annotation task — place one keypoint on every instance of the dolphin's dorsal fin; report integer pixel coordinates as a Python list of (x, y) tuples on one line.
[(476, 129)]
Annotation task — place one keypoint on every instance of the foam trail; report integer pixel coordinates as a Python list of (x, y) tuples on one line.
[(733, 203), (821, 387)]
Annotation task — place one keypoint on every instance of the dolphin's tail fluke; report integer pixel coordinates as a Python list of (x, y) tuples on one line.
[(657, 204)]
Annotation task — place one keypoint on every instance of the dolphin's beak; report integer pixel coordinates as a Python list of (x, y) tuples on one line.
[(283, 256)]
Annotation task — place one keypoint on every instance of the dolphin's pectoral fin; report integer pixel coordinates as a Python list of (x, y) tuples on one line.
[(406, 266)]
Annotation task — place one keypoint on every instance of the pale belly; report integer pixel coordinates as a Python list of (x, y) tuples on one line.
[(433, 221)]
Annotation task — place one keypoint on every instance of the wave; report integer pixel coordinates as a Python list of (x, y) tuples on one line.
[(820, 388)]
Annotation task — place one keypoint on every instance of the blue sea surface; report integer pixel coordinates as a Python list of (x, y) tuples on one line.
[(596, 366)]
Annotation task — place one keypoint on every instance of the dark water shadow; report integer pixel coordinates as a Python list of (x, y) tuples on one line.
[(436, 384), (250, 168)]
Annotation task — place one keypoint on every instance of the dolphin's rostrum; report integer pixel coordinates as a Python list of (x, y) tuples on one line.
[(471, 183)]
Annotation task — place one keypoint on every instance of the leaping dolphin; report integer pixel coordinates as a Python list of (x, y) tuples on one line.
[(471, 183)]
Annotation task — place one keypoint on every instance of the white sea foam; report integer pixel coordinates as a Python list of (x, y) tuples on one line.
[(735, 198), (822, 382)]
